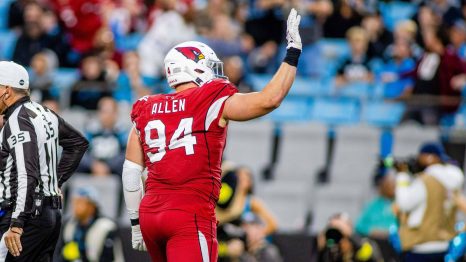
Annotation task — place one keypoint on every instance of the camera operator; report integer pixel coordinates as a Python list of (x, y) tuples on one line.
[(426, 204), (338, 244)]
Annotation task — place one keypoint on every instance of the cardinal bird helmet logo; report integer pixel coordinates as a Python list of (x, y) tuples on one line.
[(191, 53)]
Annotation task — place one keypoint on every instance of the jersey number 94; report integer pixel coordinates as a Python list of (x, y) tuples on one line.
[(182, 137)]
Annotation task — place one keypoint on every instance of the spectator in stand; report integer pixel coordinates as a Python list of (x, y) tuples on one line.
[(104, 46), (338, 243), (457, 33), (345, 16), (124, 17), (427, 20), (315, 12), (378, 219), (401, 62), (236, 204), (259, 249), (265, 24), (81, 19), (33, 38), (87, 235), (107, 142), (248, 204), (447, 10), (130, 84), (434, 76), (52, 104), (377, 216), (43, 66), (96, 82), (217, 29), (234, 70), (427, 205), (40, 31), (58, 41), (160, 38), (16, 14), (356, 67), (264, 21), (379, 36), (262, 59), (406, 31)]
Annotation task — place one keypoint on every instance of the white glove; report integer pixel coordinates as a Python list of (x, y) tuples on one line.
[(292, 30), (136, 239)]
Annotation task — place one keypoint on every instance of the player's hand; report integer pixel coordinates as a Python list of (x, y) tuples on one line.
[(13, 240), (136, 239), (292, 30)]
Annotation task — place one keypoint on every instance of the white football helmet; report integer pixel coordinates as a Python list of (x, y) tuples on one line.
[(192, 61)]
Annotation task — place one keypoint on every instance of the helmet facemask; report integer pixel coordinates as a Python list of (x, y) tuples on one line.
[(216, 67)]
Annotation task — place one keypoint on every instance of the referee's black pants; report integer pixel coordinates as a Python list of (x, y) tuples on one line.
[(39, 238)]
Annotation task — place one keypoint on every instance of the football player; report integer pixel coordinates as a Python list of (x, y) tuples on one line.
[(180, 138)]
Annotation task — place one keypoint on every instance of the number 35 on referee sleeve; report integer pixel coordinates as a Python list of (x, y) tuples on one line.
[(19, 138)]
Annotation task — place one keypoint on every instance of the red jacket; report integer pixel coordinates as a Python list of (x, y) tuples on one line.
[(81, 19)]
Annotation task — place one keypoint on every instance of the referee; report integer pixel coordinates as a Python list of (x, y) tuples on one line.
[(30, 173)]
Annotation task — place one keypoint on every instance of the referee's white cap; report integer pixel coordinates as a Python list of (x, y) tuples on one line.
[(14, 75)]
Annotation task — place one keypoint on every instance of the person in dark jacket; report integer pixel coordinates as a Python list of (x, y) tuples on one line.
[(88, 236), (31, 175)]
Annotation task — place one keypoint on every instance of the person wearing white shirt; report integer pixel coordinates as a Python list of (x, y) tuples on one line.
[(427, 205)]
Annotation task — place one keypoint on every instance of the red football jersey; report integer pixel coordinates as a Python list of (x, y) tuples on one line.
[(183, 146)]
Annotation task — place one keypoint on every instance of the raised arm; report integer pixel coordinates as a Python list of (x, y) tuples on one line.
[(242, 107)]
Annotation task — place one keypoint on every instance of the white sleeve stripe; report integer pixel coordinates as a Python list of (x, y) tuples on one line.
[(20, 168), (213, 111)]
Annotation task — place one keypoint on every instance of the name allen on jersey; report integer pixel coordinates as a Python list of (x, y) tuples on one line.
[(173, 106)]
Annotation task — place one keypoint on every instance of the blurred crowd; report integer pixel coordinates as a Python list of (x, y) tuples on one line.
[(117, 48)]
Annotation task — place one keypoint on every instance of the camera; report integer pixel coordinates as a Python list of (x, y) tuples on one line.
[(408, 165), (331, 251)]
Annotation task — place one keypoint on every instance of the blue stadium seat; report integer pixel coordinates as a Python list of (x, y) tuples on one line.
[(302, 86), (4, 7), (157, 85), (7, 44), (334, 48), (360, 90), (334, 51), (383, 114), (307, 86), (64, 78), (129, 42), (258, 81), (150, 81), (395, 11), (292, 109), (335, 111), (457, 120)]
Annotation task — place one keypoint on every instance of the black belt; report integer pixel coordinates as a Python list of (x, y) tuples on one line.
[(53, 202)]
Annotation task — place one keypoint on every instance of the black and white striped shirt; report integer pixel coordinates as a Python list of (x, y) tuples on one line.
[(29, 155)]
